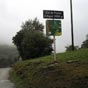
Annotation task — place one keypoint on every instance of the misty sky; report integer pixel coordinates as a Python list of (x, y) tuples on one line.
[(14, 12)]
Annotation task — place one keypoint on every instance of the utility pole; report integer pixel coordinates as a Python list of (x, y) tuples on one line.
[(72, 34)]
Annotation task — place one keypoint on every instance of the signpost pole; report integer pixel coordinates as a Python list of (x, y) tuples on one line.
[(54, 48)]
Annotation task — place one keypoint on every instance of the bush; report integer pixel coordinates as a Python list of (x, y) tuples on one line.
[(31, 42)]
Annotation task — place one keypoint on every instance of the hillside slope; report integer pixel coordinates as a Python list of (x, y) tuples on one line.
[(69, 71)]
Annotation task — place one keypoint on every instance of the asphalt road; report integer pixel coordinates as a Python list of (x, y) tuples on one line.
[(4, 81)]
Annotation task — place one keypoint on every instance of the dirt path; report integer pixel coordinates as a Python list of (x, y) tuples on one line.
[(4, 75)]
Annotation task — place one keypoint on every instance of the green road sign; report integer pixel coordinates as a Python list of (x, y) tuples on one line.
[(53, 27)]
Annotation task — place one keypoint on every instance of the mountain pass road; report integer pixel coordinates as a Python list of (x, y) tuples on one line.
[(4, 78)]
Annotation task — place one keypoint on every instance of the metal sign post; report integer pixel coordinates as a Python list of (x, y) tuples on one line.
[(54, 48)]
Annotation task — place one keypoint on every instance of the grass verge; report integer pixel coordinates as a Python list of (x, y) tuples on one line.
[(69, 71)]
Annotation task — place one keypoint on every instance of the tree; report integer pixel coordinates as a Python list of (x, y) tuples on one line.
[(69, 48), (85, 43), (31, 42)]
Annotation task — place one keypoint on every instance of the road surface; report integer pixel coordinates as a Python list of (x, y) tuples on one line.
[(4, 81)]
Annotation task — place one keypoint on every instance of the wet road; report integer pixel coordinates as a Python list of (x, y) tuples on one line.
[(4, 81)]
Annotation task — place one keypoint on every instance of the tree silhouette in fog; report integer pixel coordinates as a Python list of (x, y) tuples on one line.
[(30, 40)]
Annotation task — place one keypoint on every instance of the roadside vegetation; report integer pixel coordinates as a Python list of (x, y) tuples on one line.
[(69, 71), (31, 42), (38, 68)]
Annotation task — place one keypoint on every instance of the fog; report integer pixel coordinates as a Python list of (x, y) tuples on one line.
[(14, 12)]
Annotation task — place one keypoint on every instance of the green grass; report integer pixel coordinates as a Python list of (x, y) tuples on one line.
[(69, 71)]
